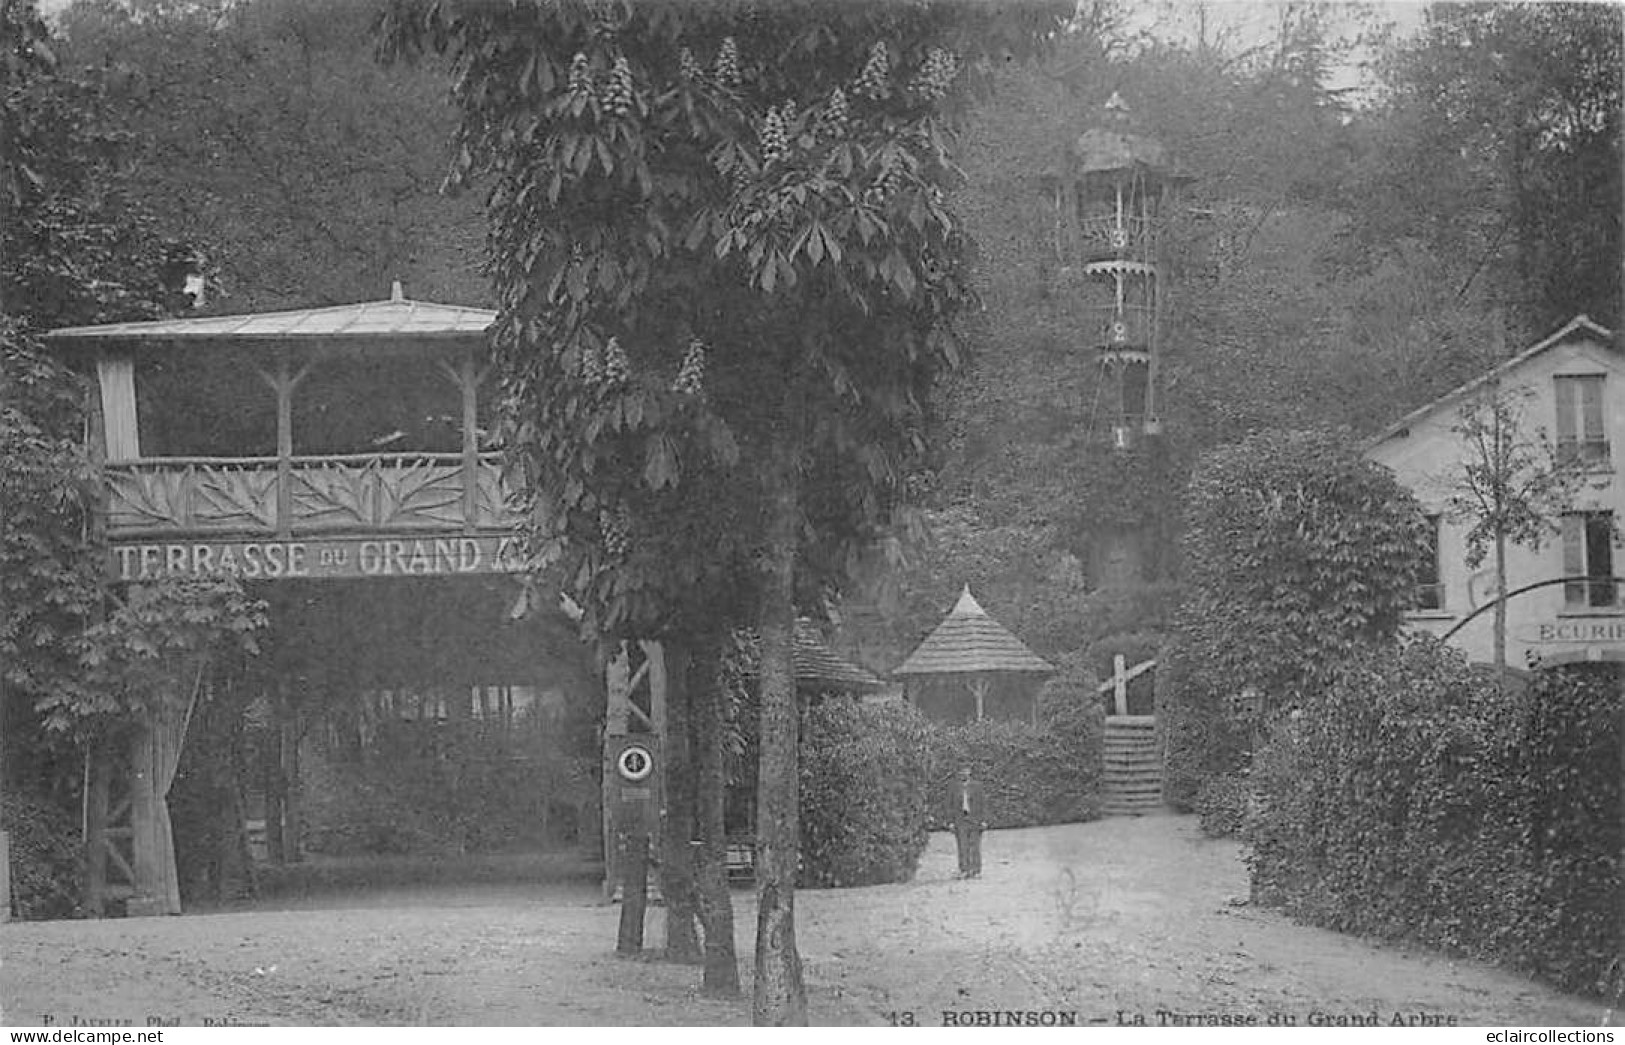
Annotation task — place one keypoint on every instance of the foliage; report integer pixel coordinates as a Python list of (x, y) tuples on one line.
[(261, 132), (710, 226), (1130, 490), (50, 579), (1297, 551), (1510, 484), (155, 635), (863, 793), (1513, 110), (1221, 805), (1033, 774), (74, 246), (45, 856), (1413, 799), (350, 811), (452, 786), (1207, 736)]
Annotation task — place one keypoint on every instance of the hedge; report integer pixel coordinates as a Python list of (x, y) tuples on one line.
[(1298, 553), (1206, 743), (1414, 800), (439, 788), (1033, 775), (46, 869), (863, 793)]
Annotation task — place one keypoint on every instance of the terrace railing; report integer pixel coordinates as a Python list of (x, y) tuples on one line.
[(307, 495)]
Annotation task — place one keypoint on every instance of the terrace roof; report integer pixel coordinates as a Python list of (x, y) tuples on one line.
[(396, 317)]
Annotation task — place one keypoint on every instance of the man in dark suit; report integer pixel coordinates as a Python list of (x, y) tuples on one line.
[(970, 820)]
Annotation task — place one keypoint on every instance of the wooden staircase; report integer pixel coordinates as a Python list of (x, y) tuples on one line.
[(1131, 784)]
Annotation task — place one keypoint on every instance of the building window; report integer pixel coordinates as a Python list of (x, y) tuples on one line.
[(1580, 434), (1588, 559), (1430, 586)]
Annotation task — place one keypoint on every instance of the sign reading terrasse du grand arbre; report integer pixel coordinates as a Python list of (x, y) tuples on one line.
[(335, 558)]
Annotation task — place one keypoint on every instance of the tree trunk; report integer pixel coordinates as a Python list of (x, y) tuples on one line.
[(710, 727), (780, 997), (677, 827), (1500, 627)]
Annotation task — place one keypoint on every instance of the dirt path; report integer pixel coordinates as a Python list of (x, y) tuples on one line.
[(1117, 917)]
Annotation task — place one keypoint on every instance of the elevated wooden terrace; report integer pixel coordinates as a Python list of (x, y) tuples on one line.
[(208, 430)]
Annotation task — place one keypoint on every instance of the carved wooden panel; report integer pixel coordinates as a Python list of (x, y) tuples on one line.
[(395, 492), (192, 496), (422, 492)]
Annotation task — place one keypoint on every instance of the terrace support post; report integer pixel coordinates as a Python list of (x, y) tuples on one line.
[(469, 382), (284, 444), (466, 376), (283, 381), (634, 892), (96, 838), (143, 822)]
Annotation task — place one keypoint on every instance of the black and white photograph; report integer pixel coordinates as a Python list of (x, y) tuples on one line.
[(1095, 514)]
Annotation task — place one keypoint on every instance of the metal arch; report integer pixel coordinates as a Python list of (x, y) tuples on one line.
[(1519, 591)]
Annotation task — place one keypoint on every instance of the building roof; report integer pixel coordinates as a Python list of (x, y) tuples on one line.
[(1576, 326), (971, 642), (815, 662), (396, 317)]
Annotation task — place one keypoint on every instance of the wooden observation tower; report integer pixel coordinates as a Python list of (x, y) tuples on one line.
[(1109, 195)]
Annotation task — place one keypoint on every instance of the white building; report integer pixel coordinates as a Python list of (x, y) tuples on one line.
[(1570, 391)]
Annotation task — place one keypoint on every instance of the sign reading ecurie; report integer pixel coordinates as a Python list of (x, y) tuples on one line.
[(1606, 629), (325, 558)]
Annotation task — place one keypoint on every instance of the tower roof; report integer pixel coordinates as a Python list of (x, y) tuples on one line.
[(968, 641), (1116, 142)]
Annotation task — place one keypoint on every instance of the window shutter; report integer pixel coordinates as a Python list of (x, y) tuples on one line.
[(1591, 409), (1600, 557), (1574, 592), (1567, 429)]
